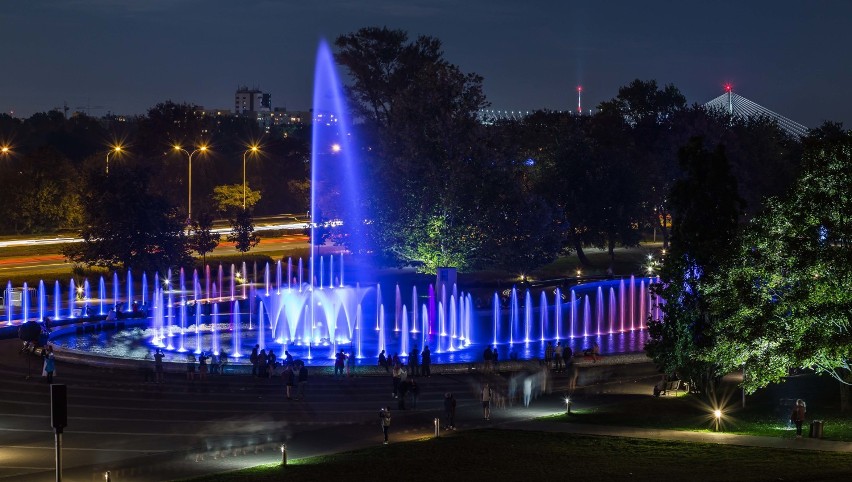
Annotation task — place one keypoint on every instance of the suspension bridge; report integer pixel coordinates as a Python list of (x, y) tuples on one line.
[(728, 103)]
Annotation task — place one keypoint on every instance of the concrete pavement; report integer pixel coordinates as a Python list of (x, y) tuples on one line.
[(144, 431)]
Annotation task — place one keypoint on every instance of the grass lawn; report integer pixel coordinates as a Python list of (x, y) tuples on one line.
[(764, 414), (498, 455)]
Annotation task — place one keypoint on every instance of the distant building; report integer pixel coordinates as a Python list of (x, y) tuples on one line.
[(249, 101)]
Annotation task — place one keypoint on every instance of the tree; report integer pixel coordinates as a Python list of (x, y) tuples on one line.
[(705, 211), (418, 117), (203, 240), (228, 199), (786, 299), (653, 116), (242, 231), (125, 225)]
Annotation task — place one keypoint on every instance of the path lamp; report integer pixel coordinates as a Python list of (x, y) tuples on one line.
[(717, 418), (202, 149), (117, 150), (5, 150), (254, 149)]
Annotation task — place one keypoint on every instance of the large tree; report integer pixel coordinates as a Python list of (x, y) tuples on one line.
[(705, 210), (418, 115), (125, 225), (786, 299)]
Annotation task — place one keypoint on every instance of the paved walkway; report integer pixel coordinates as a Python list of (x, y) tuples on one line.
[(143, 431)]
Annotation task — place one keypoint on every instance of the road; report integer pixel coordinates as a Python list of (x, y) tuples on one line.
[(35, 264)]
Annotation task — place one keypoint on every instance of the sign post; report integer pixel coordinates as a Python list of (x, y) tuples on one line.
[(58, 419)]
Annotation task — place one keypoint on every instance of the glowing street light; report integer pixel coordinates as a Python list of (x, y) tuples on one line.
[(254, 149), (717, 416), (5, 150), (202, 149), (117, 150)]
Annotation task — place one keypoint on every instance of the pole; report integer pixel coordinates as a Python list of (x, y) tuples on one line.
[(244, 180), (189, 199), (58, 445)]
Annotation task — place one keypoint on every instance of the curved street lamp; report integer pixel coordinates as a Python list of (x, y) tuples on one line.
[(202, 149), (117, 150), (254, 149)]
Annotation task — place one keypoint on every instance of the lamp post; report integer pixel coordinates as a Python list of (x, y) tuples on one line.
[(251, 150), (202, 149), (5, 151), (115, 150)]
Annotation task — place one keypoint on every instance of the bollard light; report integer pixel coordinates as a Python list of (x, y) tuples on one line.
[(717, 415), (283, 454), (107, 477), (567, 405), (437, 427)]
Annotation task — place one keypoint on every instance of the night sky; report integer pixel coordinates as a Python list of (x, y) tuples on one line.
[(124, 56)]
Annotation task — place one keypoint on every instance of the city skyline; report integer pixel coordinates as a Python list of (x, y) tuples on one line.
[(124, 57)]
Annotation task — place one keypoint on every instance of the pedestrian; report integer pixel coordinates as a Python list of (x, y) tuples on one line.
[(450, 411), (190, 366), (253, 359), (494, 359), (339, 363), (289, 377), (548, 355), (202, 366), (158, 366), (487, 355), (485, 397), (426, 362), (396, 375), (350, 364), (288, 359), (270, 363), (557, 356), (383, 361), (385, 420), (261, 364), (413, 362), (303, 381), (49, 368), (414, 389), (798, 416)]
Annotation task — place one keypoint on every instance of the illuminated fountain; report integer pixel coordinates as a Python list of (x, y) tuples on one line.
[(314, 307)]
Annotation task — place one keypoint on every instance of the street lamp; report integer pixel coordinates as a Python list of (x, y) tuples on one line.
[(5, 150), (115, 150), (202, 149), (251, 150)]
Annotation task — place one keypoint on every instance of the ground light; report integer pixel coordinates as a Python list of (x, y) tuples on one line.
[(568, 405), (283, 454), (717, 418)]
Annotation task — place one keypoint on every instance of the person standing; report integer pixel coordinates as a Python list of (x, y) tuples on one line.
[(557, 356), (427, 362), (158, 366), (202, 366), (385, 420), (798, 416), (253, 359), (486, 357), (350, 364), (485, 396), (49, 364), (396, 375), (414, 362), (450, 411), (548, 355), (303, 381), (339, 363), (261, 364), (289, 378), (190, 366), (383, 361)]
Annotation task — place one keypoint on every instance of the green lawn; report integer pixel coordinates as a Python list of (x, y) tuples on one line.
[(764, 413), (498, 455)]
